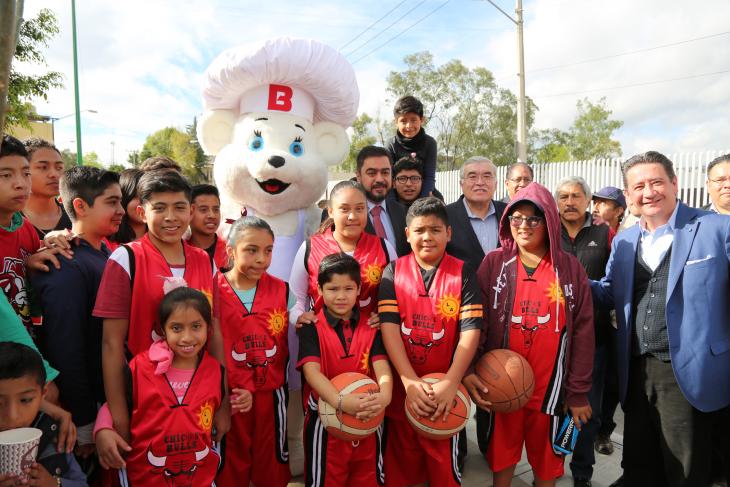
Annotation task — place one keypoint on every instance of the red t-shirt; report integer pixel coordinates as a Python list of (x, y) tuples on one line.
[(15, 248)]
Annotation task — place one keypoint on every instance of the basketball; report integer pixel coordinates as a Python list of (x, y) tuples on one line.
[(343, 425), (508, 378), (439, 429)]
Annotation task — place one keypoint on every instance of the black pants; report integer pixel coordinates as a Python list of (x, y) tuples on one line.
[(667, 442)]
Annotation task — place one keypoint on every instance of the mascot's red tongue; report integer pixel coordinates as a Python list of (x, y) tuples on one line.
[(273, 186)]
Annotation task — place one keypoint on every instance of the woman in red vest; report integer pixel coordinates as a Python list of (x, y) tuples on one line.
[(176, 389), (251, 307)]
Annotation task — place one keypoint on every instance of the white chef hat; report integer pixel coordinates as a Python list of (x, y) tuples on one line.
[(302, 77)]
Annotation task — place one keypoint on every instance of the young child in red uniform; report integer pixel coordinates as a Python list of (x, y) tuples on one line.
[(251, 308), (205, 222), (431, 313), (136, 276), (540, 306), (176, 388), (341, 341)]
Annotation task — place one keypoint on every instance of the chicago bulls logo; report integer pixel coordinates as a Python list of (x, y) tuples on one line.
[(421, 341), (178, 469), (251, 351), (529, 327)]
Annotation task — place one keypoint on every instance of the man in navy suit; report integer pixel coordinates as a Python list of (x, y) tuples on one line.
[(668, 281)]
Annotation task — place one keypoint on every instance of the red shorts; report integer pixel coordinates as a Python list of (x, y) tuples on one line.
[(531, 428), (332, 462), (412, 459), (255, 449)]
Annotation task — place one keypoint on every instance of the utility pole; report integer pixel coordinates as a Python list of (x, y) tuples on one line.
[(79, 154)]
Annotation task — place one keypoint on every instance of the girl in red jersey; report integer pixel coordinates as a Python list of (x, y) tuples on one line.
[(176, 388), (341, 341), (252, 309)]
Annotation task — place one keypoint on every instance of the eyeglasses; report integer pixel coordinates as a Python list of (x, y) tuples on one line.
[(520, 180), (720, 181), (473, 178), (405, 179), (532, 221)]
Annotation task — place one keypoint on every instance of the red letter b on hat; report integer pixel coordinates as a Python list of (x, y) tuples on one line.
[(280, 98)]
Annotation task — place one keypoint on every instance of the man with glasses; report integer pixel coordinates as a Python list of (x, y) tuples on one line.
[(519, 175), (718, 185)]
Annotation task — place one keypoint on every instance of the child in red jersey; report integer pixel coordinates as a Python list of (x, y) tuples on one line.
[(205, 222), (251, 308), (431, 313), (135, 277), (341, 341), (176, 388)]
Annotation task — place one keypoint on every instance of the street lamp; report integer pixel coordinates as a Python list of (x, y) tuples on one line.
[(55, 119)]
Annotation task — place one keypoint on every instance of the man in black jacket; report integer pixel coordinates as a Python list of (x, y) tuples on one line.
[(591, 244), (475, 216)]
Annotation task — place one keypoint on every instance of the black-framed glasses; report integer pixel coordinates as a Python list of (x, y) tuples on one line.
[(405, 179), (532, 221)]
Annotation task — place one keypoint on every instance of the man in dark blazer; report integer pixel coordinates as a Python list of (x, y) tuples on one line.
[(475, 216), (669, 280)]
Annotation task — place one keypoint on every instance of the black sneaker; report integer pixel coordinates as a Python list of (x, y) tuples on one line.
[(604, 445), (618, 483), (581, 483)]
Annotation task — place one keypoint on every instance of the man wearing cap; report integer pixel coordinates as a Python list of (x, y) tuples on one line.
[(718, 185), (519, 175), (591, 244), (609, 207)]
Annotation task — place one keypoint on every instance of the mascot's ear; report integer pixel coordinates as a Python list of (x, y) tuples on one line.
[(332, 142), (215, 130)]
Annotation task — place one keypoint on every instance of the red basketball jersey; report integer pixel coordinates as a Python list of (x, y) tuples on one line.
[(171, 440), (150, 270), (370, 252), (429, 318), (256, 341), (15, 248), (220, 256)]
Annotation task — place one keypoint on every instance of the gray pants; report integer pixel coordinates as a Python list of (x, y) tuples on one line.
[(667, 442)]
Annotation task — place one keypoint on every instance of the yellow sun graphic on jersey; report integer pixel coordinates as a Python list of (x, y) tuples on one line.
[(205, 416), (372, 274), (277, 322), (365, 362), (554, 293), (448, 306), (209, 295)]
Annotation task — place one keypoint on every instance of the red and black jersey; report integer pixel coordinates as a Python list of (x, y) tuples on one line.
[(150, 270), (220, 256), (256, 342), (171, 439), (15, 248), (370, 252)]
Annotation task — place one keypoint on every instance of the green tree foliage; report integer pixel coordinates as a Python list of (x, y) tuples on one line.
[(180, 146), (34, 35), (466, 111), (590, 136), (116, 167), (133, 158), (361, 137)]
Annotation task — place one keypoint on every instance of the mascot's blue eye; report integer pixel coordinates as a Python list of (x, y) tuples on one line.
[(257, 143), (296, 148)]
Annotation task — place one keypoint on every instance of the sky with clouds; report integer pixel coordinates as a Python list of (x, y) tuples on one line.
[(663, 65)]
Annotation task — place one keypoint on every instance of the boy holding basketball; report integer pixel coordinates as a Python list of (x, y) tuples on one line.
[(431, 313), (340, 341), (539, 305)]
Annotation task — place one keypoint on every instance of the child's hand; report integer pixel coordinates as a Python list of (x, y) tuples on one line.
[(419, 395), (581, 415), (476, 388), (374, 320), (241, 401), (9, 480), (306, 318), (110, 446), (66, 427), (443, 393), (61, 240), (352, 403), (221, 423), (373, 405), (38, 261), (38, 476)]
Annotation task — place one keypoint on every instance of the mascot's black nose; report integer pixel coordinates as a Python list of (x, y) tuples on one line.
[(276, 161)]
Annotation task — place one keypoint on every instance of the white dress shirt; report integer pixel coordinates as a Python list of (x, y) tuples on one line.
[(654, 245), (385, 219)]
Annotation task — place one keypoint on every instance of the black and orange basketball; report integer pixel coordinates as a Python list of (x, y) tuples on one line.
[(508, 377)]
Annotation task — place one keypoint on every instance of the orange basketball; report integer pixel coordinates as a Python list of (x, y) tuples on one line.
[(509, 378), (440, 429), (343, 425)]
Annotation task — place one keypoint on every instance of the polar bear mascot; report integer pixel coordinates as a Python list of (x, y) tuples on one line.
[(275, 118)]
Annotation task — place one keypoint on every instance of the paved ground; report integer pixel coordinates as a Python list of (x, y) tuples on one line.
[(477, 473)]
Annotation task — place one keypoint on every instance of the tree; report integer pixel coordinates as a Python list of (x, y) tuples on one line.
[(361, 137), (588, 138), (116, 167), (180, 146), (90, 159), (466, 110), (33, 36), (133, 158)]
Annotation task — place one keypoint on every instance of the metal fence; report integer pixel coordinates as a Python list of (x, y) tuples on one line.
[(689, 167)]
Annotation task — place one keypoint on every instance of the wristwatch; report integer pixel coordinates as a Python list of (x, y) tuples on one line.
[(58, 480)]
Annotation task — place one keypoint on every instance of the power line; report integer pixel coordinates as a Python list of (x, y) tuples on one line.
[(402, 32), (633, 85), (386, 28), (371, 25)]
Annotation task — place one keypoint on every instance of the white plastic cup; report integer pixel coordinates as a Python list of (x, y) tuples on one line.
[(18, 450)]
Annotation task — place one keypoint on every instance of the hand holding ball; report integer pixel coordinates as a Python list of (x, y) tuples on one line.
[(508, 378)]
